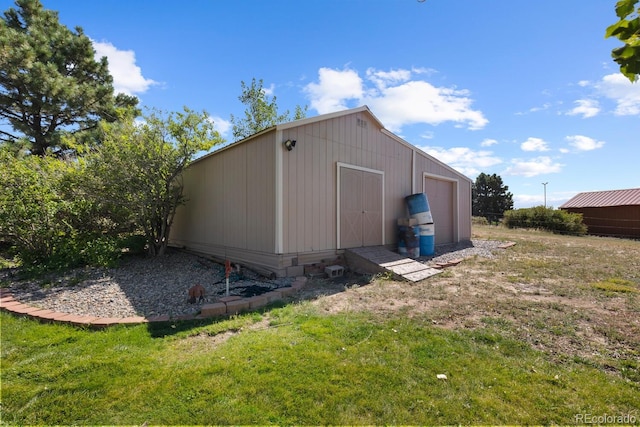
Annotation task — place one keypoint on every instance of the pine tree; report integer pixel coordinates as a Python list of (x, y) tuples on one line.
[(490, 197), (51, 87)]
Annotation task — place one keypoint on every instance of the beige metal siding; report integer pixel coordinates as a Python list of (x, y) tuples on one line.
[(187, 222), (235, 182), (350, 215), (441, 195), (231, 200), (372, 214), (360, 213), (261, 194), (310, 177), (464, 210)]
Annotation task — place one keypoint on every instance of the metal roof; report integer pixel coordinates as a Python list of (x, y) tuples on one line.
[(599, 199)]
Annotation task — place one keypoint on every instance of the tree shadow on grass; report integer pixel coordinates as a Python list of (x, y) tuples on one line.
[(174, 327)]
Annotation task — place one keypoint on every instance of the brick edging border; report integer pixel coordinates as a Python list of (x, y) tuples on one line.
[(225, 306)]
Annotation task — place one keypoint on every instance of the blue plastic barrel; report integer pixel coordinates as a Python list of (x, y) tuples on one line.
[(409, 241), (418, 206), (427, 240), (402, 243)]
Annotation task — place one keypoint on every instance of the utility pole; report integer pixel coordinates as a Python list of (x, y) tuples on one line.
[(545, 194)]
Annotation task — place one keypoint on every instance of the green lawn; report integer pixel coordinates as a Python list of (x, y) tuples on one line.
[(301, 368)]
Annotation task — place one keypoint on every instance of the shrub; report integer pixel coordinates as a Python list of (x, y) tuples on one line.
[(48, 226), (103, 251), (479, 220), (540, 217), (73, 250), (30, 204), (134, 243)]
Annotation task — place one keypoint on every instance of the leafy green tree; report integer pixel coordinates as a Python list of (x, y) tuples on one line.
[(138, 168), (261, 112), (490, 197), (627, 30), (51, 87)]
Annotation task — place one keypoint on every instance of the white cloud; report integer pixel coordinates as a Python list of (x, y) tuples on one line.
[(423, 70), (127, 76), (619, 89), (463, 159), (333, 89), (554, 198), (584, 143), (269, 90), (382, 79), (534, 144), (394, 97), (420, 102), (544, 106), (488, 142), (427, 135), (221, 125), (528, 200), (585, 107), (139, 122), (533, 167)]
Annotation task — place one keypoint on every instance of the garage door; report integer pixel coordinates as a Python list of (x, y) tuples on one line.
[(441, 195), (360, 208)]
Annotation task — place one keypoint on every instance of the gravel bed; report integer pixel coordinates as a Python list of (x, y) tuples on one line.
[(140, 287), (159, 286), (446, 253)]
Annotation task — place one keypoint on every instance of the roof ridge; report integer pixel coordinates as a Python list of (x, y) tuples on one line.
[(604, 198)]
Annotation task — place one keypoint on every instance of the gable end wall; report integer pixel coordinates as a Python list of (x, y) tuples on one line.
[(230, 200)]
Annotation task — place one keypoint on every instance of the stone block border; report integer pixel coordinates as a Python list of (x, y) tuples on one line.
[(225, 306)]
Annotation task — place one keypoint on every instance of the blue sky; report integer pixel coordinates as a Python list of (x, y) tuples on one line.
[(526, 90)]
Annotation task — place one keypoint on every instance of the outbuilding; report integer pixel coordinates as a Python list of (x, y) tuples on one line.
[(608, 213), (304, 191)]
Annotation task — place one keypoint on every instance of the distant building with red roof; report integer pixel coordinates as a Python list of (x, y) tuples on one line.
[(608, 213)]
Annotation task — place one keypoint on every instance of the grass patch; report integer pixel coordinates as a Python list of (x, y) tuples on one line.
[(296, 366), (616, 285)]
